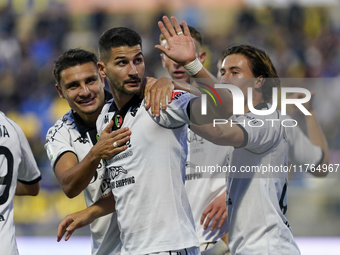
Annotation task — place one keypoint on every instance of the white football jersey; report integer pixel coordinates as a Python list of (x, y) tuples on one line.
[(202, 185), (70, 135), (16, 163), (257, 202), (147, 179)]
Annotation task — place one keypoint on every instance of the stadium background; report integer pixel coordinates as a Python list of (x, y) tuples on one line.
[(301, 37)]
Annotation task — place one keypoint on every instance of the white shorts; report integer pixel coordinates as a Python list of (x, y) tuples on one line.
[(187, 251)]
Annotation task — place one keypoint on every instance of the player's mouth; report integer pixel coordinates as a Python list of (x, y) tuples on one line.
[(133, 83), (178, 74), (88, 101)]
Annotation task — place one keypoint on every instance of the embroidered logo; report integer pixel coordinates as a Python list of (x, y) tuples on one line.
[(118, 121)]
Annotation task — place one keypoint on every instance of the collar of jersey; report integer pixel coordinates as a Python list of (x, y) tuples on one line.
[(261, 106), (134, 101)]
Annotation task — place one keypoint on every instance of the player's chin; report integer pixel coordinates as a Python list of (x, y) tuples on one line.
[(133, 90), (89, 109)]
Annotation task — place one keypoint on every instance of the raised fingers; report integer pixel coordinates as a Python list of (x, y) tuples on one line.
[(178, 29), (169, 26)]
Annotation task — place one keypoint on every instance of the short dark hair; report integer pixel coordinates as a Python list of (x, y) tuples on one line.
[(70, 58), (260, 65), (193, 32), (117, 37)]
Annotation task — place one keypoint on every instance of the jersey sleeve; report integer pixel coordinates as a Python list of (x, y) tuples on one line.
[(28, 171), (260, 135), (57, 143), (300, 148), (176, 113)]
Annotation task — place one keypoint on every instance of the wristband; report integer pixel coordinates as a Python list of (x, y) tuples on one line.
[(193, 67)]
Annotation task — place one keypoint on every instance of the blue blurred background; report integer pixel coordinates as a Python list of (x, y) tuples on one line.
[(302, 38)]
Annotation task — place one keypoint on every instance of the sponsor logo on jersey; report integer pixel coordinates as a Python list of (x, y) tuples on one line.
[(176, 94), (114, 171), (193, 176), (192, 137), (118, 121)]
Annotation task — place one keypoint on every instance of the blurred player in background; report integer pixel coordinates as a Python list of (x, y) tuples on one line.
[(19, 175), (71, 144), (206, 192)]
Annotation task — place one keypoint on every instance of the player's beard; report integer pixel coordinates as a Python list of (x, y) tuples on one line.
[(122, 89)]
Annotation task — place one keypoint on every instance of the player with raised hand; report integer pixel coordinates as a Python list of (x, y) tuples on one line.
[(152, 207), (206, 191), (240, 62), (19, 175)]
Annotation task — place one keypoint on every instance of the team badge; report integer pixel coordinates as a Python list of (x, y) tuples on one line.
[(118, 121)]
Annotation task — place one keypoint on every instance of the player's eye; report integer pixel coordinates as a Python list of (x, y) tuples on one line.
[(72, 86), (121, 63), (90, 81), (138, 60)]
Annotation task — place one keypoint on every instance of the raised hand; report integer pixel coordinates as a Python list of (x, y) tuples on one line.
[(181, 45)]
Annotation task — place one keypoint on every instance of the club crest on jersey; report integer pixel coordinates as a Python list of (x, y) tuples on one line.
[(118, 121)]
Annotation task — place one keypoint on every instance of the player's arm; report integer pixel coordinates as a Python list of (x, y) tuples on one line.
[(74, 176), (28, 173), (70, 223), (24, 189), (221, 134), (315, 135)]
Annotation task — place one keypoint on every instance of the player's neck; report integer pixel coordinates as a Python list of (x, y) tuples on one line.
[(89, 120), (121, 99)]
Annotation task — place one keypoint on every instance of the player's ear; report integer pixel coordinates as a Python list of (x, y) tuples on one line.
[(202, 56), (60, 92), (102, 69), (259, 82)]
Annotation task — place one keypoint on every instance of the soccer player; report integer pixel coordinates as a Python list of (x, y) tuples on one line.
[(148, 184), (72, 147), (19, 175), (256, 205), (206, 191)]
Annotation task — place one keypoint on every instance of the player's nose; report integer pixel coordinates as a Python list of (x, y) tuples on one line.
[(133, 69), (84, 90)]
